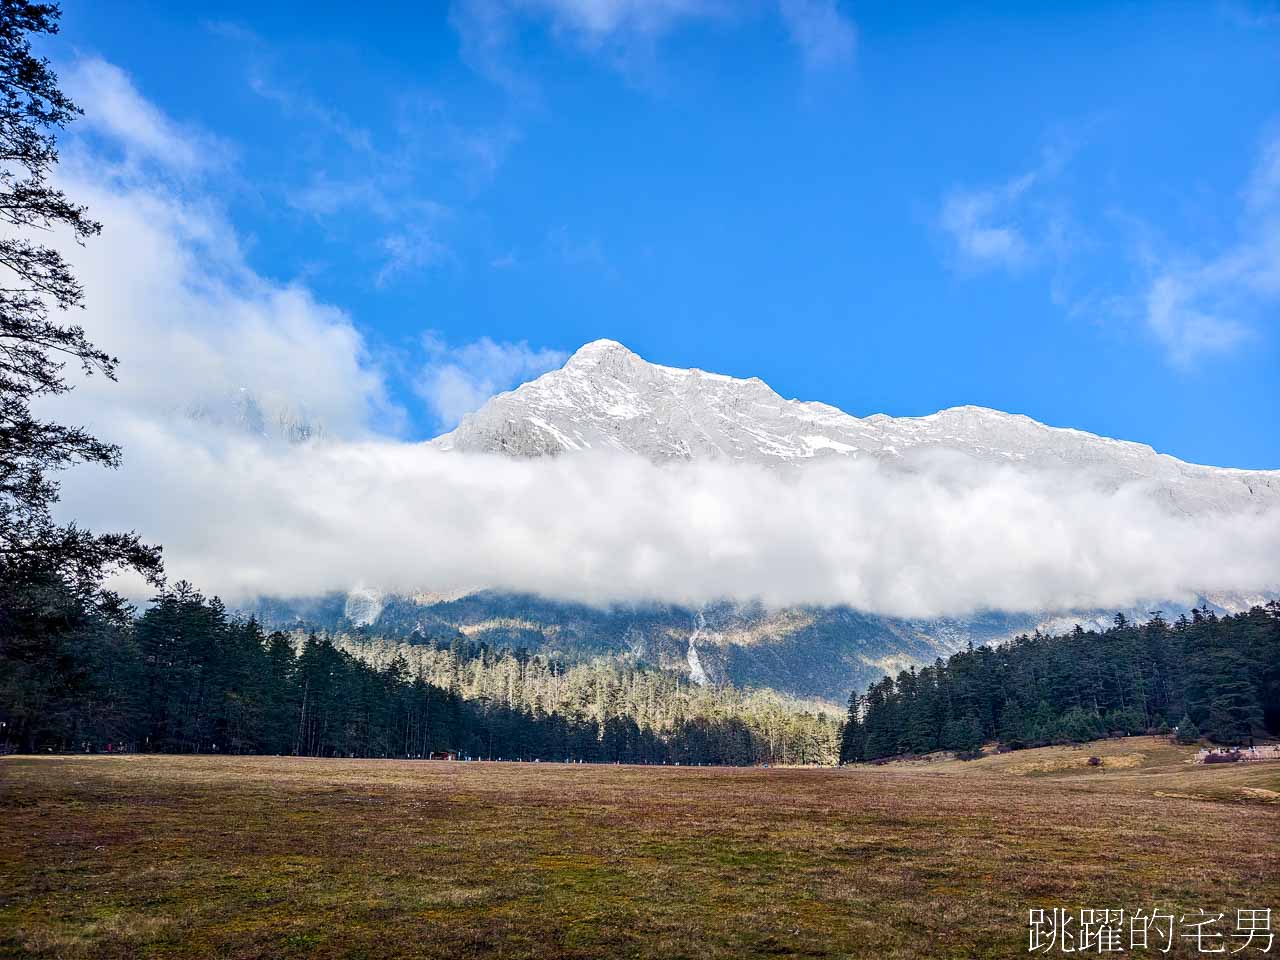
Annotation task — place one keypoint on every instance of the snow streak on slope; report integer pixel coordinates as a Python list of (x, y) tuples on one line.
[(697, 673), (607, 397)]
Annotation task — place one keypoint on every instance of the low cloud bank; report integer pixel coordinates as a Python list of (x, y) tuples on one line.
[(948, 536)]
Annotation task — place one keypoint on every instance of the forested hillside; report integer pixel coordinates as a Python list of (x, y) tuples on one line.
[(1204, 674), (806, 652), (186, 677)]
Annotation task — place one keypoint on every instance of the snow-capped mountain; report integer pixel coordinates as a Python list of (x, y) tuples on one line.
[(607, 397)]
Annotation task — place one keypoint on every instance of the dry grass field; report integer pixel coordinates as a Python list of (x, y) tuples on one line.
[(261, 857)]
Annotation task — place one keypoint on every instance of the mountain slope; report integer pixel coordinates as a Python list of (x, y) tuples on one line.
[(811, 652)]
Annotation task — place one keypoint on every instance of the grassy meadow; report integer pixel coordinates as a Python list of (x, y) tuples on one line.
[(179, 856)]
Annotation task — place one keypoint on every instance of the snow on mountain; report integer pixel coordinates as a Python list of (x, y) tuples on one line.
[(606, 397)]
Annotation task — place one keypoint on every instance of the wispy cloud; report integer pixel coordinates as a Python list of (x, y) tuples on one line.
[(403, 183), (294, 101), (412, 226), (626, 31), (324, 196), (1252, 16), (623, 32), (596, 21), (1184, 314), (430, 135), (302, 106), (1195, 304), (114, 109), (987, 225), (575, 251), (457, 380), (825, 36), (1197, 307), (1014, 222), (410, 249)]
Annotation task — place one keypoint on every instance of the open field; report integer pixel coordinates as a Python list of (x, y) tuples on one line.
[(264, 857)]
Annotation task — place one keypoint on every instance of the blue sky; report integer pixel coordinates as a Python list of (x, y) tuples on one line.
[(1070, 212)]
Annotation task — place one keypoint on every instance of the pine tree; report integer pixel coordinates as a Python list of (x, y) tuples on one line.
[(1013, 725), (53, 615), (36, 341), (1234, 713), (853, 737)]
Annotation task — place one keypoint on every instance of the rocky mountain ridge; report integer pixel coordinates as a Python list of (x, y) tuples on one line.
[(607, 397)]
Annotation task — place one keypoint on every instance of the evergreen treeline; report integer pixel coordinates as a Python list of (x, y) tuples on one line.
[(80, 673), (1204, 674)]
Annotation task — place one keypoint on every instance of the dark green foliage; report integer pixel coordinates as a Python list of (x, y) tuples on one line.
[(1188, 732), (1078, 725), (1218, 673), (853, 739)]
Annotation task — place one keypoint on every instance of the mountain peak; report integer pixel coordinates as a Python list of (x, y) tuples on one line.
[(606, 355), (597, 348)]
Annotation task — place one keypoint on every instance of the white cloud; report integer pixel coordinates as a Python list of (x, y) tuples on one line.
[(411, 248), (168, 290), (325, 196), (575, 251), (1187, 329), (825, 36), (1198, 307), (945, 539), (1018, 222), (387, 184), (985, 225), (197, 325), (301, 105), (412, 241), (456, 381), (1195, 306), (114, 108), (596, 20)]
